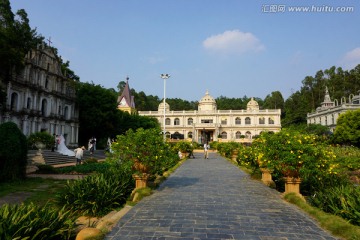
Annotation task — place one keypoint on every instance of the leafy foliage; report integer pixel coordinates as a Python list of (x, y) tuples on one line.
[(146, 146), (16, 39), (13, 152), (98, 194), (42, 137), (36, 222), (348, 128), (99, 116), (343, 200)]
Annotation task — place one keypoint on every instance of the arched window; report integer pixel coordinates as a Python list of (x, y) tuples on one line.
[(44, 107), (262, 120), (66, 112), (28, 103), (176, 121), (238, 135), (190, 134), (14, 101), (247, 121), (167, 122), (248, 135), (332, 119), (271, 120), (190, 121), (168, 135), (237, 121), (224, 135), (46, 83)]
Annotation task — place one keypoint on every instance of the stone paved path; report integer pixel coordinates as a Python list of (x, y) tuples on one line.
[(213, 199)]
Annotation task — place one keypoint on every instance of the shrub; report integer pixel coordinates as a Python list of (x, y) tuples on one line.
[(145, 146), (42, 137), (13, 152), (36, 222), (97, 194), (183, 146)]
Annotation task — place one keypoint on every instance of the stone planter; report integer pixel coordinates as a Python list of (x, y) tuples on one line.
[(292, 185), (266, 177), (141, 181), (234, 155), (184, 154)]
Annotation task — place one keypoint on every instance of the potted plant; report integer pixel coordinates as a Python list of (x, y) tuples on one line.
[(293, 154), (145, 150)]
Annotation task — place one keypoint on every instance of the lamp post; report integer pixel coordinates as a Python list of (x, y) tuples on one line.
[(164, 76)]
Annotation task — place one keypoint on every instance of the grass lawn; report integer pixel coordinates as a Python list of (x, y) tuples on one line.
[(43, 190)]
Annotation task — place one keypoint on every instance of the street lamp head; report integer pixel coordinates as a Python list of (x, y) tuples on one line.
[(165, 76)]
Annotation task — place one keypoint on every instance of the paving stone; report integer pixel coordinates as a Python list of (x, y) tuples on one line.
[(213, 199)]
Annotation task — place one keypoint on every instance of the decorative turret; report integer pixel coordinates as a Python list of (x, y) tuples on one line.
[(207, 103), (327, 103), (161, 107), (126, 101), (252, 105)]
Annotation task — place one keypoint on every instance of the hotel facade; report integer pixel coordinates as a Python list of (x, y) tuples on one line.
[(210, 124)]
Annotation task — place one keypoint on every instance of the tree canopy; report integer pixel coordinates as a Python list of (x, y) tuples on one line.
[(348, 128)]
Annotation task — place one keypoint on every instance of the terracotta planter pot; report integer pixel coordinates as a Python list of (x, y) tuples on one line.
[(292, 185), (141, 181), (266, 177), (234, 155)]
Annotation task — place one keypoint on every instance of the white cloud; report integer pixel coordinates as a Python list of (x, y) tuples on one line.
[(351, 58), (233, 42)]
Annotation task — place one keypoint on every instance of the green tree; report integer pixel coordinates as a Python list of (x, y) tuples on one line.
[(347, 129), (13, 152), (16, 40), (274, 100), (99, 116)]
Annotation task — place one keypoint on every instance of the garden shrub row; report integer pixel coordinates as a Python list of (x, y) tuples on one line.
[(322, 168)]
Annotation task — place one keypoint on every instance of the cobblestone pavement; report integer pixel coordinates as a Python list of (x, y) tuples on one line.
[(213, 199)]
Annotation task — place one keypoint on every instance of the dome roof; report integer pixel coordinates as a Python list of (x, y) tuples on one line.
[(207, 103), (207, 98), (161, 107), (252, 105)]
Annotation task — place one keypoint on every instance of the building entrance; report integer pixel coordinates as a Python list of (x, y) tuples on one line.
[(206, 136)]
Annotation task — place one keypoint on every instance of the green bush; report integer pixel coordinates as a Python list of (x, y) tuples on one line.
[(226, 148), (97, 194), (145, 146), (13, 152), (36, 222), (43, 137), (343, 201)]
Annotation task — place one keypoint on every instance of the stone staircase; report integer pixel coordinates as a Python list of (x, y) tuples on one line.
[(55, 158)]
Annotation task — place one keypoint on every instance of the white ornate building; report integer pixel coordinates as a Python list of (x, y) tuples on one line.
[(210, 124), (41, 98), (329, 111)]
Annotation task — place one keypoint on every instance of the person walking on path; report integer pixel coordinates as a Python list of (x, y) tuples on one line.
[(206, 150), (79, 153)]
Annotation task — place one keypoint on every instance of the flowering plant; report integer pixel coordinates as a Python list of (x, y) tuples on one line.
[(145, 149), (292, 153)]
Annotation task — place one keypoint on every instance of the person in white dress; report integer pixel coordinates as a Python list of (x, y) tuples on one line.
[(62, 149)]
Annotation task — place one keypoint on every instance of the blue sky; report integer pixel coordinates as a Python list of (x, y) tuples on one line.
[(228, 47)]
